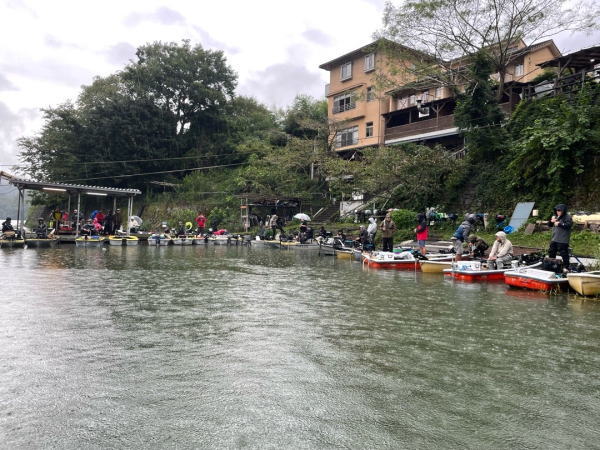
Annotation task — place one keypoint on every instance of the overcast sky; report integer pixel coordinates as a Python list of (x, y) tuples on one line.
[(49, 48)]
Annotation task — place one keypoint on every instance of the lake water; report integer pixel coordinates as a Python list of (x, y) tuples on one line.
[(239, 347)]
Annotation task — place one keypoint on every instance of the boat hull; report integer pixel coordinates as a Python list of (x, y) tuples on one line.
[(587, 284), (435, 266), (81, 242), (12, 243), (341, 254), (41, 243), (535, 279)]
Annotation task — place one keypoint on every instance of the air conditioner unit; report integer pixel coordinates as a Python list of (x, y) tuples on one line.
[(423, 112)]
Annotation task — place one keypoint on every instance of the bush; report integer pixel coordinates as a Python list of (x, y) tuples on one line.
[(404, 218)]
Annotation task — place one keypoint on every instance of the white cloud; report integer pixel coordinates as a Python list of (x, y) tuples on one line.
[(50, 48)]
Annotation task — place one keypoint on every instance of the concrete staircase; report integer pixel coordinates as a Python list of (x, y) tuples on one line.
[(326, 214)]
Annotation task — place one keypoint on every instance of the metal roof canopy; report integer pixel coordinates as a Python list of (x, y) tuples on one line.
[(77, 189), (582, 59), (73, 188)]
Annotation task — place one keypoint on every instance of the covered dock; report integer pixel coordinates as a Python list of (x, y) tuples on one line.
[(71, 189)]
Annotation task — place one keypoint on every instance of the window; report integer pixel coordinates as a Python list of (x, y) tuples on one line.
[(439, 92), (346, 71), (348, 136), (343, 102), (412, 100), (519, 70), (402, 103), (424, 96), (370, 94), (369, 129), (369, 62)]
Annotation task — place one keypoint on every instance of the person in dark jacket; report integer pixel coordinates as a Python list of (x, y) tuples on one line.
[(561, 224), (109, 222), (7, 225), (477, 246), (462, 234), (41, 231)]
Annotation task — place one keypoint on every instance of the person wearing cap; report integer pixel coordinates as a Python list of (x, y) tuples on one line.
[(387, 227), (41, 231), (477, 246), (7, 225), (117, 220), (462, 234), (561, 224), (502, 251)]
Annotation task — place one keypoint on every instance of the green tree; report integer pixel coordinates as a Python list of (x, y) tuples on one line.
[(477, 112)]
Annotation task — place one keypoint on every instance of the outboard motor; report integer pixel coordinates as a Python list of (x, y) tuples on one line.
[(553, 265)]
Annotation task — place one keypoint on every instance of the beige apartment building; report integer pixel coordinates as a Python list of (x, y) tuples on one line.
[(410, 111)]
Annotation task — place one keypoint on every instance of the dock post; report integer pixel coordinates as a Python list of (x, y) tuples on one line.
[(77, 215), (129, 212)]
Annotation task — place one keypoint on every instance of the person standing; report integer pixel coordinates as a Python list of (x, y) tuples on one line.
[(109, 222), (387, 227), (422, 232), (201, 223), (117, 221), (462, 234), (561, 224), (273, 222), (372, 230), (502, 251)]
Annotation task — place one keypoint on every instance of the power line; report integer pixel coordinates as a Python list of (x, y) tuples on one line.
[(135, 160), (155, 173)]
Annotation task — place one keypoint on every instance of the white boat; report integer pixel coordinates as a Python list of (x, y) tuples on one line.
[(478, 271), (89, 241), (128, 241), (536, 279), (587, 283), (182, 240), (199, 240)]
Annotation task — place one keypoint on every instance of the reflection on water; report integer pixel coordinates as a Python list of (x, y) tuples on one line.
[(233, 346)]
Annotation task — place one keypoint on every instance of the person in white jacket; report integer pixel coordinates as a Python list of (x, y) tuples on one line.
[(502, 251), (372, 230)]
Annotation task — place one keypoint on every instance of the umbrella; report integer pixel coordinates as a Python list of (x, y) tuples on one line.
[(302, 216), (136, 219)]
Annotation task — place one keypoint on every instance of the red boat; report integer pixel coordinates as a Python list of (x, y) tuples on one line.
[(399, 261), (535, 279), (476, 271)]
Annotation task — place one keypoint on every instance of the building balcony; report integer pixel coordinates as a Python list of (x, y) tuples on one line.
[(348, 111), (438, 126)]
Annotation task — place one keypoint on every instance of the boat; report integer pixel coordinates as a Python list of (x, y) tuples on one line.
[(345, 254), (123, 240), (587, 283), (478, 271), (535, 279), (357, 254), (199, 240), (295, 245), (183, 240), (391, 260), (429, 266), (89, 241), (12, 243), (41, 242)]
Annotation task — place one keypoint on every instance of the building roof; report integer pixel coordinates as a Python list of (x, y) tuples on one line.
[(581, 59), (368, 49), (72, 188)]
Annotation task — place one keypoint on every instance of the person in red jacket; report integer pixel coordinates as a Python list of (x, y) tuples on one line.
[(201, 222), (422, 232)]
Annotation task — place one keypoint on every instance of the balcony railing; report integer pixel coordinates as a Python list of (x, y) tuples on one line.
[(343, 107), (423, 126)]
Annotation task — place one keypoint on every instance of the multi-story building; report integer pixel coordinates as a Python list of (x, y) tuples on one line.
[(412, 111)]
